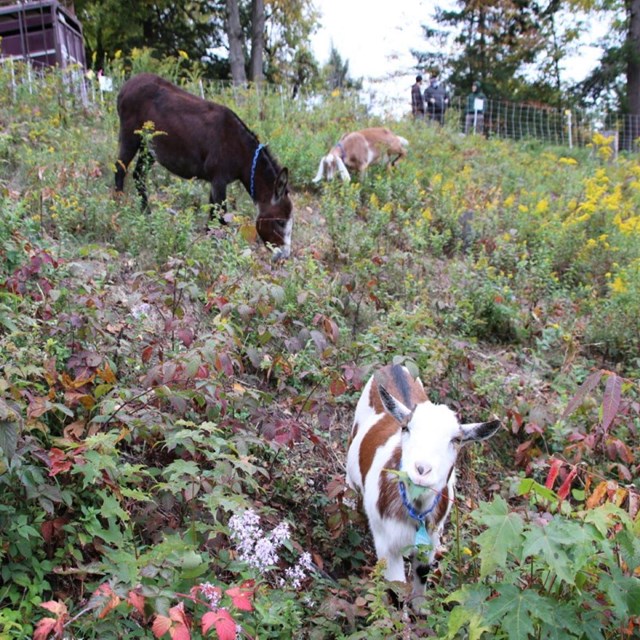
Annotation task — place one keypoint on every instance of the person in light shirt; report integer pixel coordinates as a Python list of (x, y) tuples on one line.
[(474, 119)]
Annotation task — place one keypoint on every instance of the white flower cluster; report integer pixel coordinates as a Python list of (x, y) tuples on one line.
[(254, 547), (260, 550)]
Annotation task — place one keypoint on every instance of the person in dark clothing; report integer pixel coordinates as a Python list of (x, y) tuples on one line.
[(436, 100), (474, 118), (417, 101)]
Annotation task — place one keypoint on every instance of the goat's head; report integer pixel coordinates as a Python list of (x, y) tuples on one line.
[(330, 166), (431, 438)]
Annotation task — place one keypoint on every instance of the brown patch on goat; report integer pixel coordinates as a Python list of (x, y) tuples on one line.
[(375, 438), (388, 380), (441, 509), (389, 501), (386, 426)]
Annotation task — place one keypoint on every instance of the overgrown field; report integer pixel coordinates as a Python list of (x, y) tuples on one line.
[(174, 406)]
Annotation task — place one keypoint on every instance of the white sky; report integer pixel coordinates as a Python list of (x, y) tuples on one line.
[(376, 37)]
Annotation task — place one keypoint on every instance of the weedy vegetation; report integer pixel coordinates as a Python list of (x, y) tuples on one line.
[(174, 406)]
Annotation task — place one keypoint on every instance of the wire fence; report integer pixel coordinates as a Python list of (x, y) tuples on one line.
[(517, 121), (562, 127)]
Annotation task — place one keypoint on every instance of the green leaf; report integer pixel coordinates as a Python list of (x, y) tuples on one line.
[(624, 594), (458, 618), (514, 609), (555, 542), (503, 534)]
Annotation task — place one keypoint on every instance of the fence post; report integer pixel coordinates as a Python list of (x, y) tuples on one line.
[(569, 126)]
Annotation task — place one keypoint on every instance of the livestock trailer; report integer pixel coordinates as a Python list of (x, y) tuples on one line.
[(43, 32)]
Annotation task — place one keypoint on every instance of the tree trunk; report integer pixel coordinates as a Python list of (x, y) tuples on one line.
[(236, 49), (633, 59), (257, 41)]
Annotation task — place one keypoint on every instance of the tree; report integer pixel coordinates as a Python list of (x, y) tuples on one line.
[(502, 43), (241, 39), (236, 43), (257, 41), (615, 82), (166, 26), (336, 71)]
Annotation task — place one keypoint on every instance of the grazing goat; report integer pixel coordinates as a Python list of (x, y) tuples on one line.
[(358, 150), (396, 429)]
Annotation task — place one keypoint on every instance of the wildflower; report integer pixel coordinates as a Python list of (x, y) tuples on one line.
[(212, 594), (141, 310), (254, 547), (618, 285), (296, 574)]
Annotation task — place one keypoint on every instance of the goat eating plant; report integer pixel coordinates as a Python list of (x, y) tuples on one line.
[(401, 459), (359, 149)]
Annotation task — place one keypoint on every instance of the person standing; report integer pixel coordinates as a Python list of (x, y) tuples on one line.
[(474, 119), (436, 99), (417, 101)]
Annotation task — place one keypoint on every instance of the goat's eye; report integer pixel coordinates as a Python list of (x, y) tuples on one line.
[(456, 441), (405, 428)]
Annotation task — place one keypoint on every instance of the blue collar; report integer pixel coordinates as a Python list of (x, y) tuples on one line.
[(342, 151), (420, 517), (253, 170)]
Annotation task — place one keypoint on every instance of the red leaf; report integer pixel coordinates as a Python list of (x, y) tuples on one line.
[(241, 598), (58, 461), (38, 407), (57, 608), (177, 614), (180, 632), (337, 386), (553, 473), (223, 622), (161, 624), (147, 352), (590, 383), (44, 628), (104, 599), (563, 491), (186, 336), (136, 601), (611, 400), (224, 364)]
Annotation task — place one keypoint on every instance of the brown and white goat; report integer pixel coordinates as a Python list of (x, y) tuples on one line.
[(396, 429), (358, 150)]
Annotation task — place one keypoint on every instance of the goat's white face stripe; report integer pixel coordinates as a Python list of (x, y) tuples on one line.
[(428, 453)]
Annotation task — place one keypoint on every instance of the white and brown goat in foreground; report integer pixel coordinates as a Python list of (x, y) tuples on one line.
[(397, 428), (358, 150)]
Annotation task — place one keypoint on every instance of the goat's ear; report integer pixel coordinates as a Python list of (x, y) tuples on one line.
[(280, 186), (478, 430), (393, 407)]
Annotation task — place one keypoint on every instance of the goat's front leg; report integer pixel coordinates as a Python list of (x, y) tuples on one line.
[(394, 570)]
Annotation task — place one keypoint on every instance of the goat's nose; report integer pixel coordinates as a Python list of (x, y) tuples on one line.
[(423, 469)]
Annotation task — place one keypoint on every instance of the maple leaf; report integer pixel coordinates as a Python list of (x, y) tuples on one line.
[(502, 536), (222, 621)]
